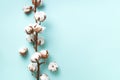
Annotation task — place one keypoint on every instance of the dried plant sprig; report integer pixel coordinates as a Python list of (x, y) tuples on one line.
[(33, 31)]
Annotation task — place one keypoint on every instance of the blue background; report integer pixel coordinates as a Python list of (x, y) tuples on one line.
[(82, 36)]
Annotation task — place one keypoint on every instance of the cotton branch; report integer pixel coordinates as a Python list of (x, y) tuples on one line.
[(32, 31)]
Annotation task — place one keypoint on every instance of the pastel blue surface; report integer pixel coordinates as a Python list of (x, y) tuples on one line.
[(82, 36)]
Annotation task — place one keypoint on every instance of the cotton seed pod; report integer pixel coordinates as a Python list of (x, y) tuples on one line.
[(38, 2), (35, 56), (37, 28), (44, 77), (32, 67), (27, 9), (44, 54), (29, 29), (30, 38), (43, 28), (40, 16), (23, 51), (53, 66), (40, 41)]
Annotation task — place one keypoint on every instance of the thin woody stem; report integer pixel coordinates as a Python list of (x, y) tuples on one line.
[(38, 71), (36, 34), (42, 63), (35, 6), (36, 38), (36, 46)]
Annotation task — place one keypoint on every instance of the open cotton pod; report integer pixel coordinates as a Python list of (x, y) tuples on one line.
[(27, 9), (40, 16), (44, 77), (43, 28), (37, 28), (38, 2), (40, 41), (33, 67), (44, 54), (29, 29), (53, 66), (35, 56), (23, 51), (30, 38)]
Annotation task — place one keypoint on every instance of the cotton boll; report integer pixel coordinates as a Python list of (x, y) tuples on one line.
[(53, 66), (40, 41), (29, 29), (23, 51), (44, 54), (35, 56), (30, 38), (27, 9), (37, 28), (40, 16), (38, 2), (44, 77), (43, 28), (32, 67)]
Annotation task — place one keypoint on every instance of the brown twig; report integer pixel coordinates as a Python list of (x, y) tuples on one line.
[(42, 63), (36, 38), (36, 46), (38, 71), (35, 5), (36, 34)]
